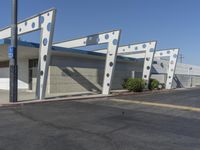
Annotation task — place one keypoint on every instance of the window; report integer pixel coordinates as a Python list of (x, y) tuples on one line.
[(4, 64)]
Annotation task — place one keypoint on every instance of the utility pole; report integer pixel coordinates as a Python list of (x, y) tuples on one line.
[(13, 54), (181, 58)]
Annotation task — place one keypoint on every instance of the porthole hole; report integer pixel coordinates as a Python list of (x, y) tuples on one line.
[(41, 73), (111, 64), (45, 57), (33, 25), (106, 36), (45, 41), (115, 41)]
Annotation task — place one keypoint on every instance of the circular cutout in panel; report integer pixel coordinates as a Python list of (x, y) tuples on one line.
[(48, 14), (174, 55), (168, 52), (108, 84), (111, 64), (41, 73), (161, 53), (123, 50), (169, 77), (172, 62), (115, 41), (172, 69), (170, 83), (144, 45), (148, 67), (136, 48), (107, 74), (45, 41), (84, 42), (20, 29), (25, 23), (106, 36), (45, 57), (33, 25), (41, 19), (49, 27), (145, 76), (147, 59), (151, 50), (110, 54)]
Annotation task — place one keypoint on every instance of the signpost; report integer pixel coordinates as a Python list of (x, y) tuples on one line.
[(12, 53)]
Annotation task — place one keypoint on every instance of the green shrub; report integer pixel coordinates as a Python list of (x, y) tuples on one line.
[(153, 84), (135, 84), (124, 84)]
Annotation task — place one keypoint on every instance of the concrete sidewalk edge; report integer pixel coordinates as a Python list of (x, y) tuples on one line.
[(114, 94)]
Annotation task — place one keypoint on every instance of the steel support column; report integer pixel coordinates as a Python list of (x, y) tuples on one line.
[(112, 39), (45, 22)]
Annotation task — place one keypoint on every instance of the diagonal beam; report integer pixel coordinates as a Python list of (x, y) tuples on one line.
[(112, 39), (145, 50), (45, 22), (173, 58)]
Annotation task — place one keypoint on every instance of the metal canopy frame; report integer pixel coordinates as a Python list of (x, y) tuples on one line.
[(45, 22), (147, 51), (112, 39), (173, 58)]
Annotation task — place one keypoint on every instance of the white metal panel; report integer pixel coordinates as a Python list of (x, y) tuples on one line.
[(45, 22), (143, 50), (5, 33), (112, 39), (172, 67), (148, 60), (47, 27), (173, 56)]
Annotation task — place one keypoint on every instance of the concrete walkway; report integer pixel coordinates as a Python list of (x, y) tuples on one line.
[(28, 96)]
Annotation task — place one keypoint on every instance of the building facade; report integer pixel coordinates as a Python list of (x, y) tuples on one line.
[(75, 70)]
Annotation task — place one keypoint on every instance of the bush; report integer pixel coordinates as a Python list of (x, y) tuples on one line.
[(134, 84), (153, 84), (124, 84)]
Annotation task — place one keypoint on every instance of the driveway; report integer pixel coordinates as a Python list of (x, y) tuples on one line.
[(115, 123)]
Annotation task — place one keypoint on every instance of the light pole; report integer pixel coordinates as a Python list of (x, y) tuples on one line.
[(190, 78), (13, 54)]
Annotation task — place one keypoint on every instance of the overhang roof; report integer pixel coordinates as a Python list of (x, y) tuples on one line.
[(56, 49)]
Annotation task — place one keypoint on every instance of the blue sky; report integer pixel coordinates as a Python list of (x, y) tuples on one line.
[(173, 23)]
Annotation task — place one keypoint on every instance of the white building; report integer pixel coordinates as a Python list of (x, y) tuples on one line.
[(75, 70)]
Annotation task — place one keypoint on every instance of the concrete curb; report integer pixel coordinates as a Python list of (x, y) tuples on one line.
[(21, 103), (82, 97)]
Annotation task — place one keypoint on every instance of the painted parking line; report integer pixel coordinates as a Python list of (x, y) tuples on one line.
[(188, 108)]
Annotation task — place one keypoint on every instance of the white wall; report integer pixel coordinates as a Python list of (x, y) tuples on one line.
[(22, 75)]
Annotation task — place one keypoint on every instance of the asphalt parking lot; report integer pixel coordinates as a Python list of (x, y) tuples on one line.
[(115, 123)]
